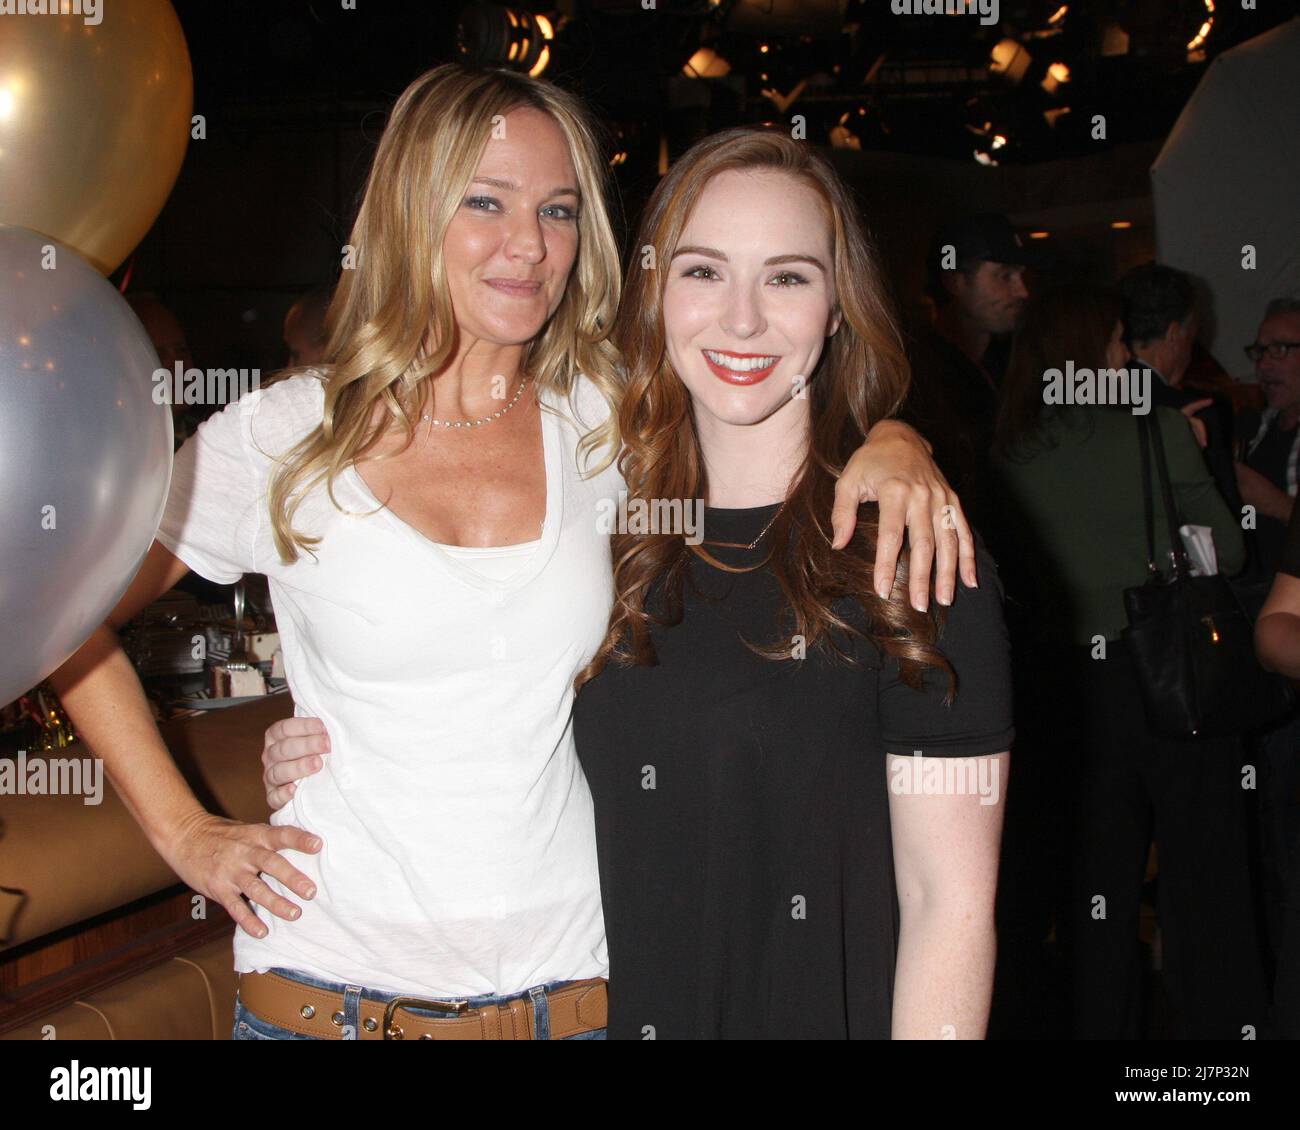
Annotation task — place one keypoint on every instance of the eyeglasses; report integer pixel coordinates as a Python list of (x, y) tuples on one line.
[(1276, 350)]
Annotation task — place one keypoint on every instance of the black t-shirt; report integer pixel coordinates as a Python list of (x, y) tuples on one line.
[(742, 807)]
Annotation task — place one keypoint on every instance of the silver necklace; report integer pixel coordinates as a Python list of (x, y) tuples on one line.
[(482, 419)]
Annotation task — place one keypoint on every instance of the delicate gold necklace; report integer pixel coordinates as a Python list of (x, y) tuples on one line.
[(754, 543), (482, 419)]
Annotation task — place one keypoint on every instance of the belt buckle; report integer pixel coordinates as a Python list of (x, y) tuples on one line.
[(395, 1033)]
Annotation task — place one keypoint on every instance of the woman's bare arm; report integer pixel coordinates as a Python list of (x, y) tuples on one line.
[(103, 696), (946, 868), (895, 468)]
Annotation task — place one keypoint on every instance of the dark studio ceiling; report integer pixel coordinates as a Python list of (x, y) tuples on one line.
[(862, 75)]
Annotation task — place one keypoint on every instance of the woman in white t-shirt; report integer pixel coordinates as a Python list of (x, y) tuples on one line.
[(431, 510)]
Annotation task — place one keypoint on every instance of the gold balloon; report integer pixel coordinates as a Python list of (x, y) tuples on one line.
[(94, 120)]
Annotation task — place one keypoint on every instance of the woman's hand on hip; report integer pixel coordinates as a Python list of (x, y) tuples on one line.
[(293, 748), (894, 468), (225, 860)]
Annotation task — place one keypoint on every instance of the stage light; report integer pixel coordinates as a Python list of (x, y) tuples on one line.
[(841, 137), (1198, 40), (1059, 15), (1058, 74), (500, 36), (1010, 59), (1040, 235), (1122, 225), (706, 63)]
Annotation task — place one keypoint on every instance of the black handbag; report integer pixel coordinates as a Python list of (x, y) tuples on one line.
[(1191, 640)]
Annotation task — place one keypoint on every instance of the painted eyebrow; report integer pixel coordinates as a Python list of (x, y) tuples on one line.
[(510, 186), (776, 260)]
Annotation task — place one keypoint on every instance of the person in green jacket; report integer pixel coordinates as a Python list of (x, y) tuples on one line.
[(1071, 474), (1071, 538)]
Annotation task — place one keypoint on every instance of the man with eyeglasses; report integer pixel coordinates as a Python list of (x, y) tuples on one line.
[(1267, 474), (1267, 470)]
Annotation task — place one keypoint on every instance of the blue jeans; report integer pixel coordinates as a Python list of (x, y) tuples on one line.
[(250, 1027)]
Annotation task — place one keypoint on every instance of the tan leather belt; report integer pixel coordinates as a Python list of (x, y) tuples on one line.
[(311, 1011)]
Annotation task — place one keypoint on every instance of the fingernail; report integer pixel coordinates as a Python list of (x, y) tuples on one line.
[(314, 843), (295, 912), (921, 607), (309, 891), (945, 599), (883, 592)]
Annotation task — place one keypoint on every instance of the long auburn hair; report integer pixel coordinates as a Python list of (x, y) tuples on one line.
[(861, 377), (383, 310), (1069, 322)]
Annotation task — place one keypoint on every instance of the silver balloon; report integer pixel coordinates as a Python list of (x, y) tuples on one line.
[(85, 454)]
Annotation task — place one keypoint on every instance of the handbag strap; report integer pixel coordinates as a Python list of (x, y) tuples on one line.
[(1149, 433), (1144, 451)]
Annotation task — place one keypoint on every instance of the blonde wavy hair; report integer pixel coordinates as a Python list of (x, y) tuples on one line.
[(397, 297)]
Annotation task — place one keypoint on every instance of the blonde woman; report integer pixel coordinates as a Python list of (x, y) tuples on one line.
[(426, 511)]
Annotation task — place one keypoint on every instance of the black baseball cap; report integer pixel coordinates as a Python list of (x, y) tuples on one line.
[(984, 236)]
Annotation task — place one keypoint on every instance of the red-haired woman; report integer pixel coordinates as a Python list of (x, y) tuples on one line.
[(774, 750)]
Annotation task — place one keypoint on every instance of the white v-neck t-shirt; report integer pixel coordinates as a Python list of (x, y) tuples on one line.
[(459, 853), (500, 562)]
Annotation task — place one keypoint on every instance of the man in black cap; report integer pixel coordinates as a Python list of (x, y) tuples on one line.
[(975, 271)]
